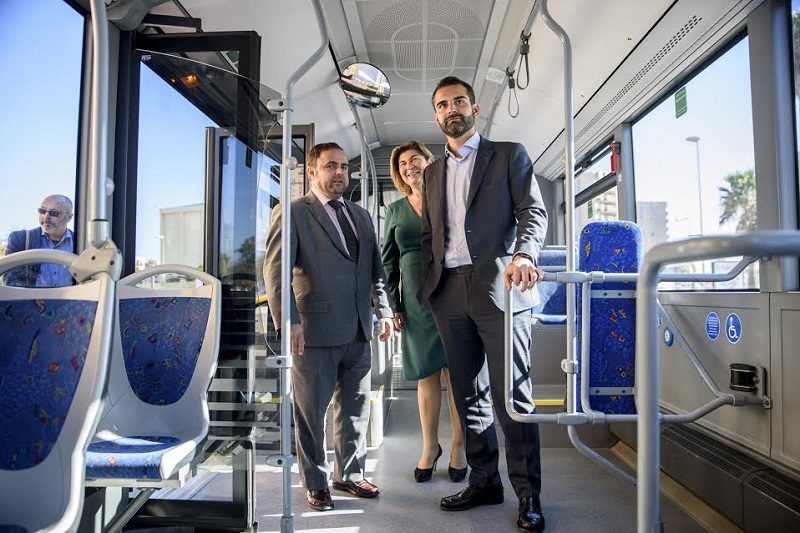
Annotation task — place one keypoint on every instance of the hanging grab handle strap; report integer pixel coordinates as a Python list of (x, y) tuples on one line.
[(512, 93), (524, 49)]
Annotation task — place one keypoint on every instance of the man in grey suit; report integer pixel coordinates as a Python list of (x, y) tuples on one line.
[(337, 278), (483, 224)]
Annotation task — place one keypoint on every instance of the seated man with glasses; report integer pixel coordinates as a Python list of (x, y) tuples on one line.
[(54, 215)]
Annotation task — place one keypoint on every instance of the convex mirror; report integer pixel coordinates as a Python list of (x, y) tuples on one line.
[(365, 85)]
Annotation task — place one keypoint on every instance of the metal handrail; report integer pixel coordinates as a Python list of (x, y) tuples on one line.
[(99, 228), (285, 106), (587, 415), (647, 345)]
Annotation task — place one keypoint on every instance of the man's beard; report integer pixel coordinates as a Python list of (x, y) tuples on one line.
[(456, 129)]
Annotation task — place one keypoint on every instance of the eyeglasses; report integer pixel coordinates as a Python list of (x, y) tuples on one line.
[(52, 212)]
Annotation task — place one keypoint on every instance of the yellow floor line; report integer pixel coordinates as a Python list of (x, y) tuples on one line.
[(549, 402), (686, 500)]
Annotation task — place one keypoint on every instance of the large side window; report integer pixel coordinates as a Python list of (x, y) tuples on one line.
[(694, 165), (42, 44), (596, 190), (171, 180)]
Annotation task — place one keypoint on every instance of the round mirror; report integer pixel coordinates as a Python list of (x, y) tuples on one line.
[(365, 85)]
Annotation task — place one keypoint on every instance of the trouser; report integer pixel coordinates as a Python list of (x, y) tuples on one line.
[(343, 374), (471, 327)]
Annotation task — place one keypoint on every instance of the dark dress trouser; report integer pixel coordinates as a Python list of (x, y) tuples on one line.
[(471, 327), (343, 374)]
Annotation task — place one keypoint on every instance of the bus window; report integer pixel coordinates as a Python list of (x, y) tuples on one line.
[(171, 176), (601, 205), (694, 165), (39, 103)]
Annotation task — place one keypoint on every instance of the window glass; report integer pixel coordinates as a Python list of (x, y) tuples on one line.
[(42, 43), (602, 206), (694, 165), (170, 203)]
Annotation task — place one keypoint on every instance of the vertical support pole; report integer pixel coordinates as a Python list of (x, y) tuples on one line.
[(288, 164), (98, 229)]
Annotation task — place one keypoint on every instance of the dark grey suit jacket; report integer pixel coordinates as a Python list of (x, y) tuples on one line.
[(332, 295), (505, 215)]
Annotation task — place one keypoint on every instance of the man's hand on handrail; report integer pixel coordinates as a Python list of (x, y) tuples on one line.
[(522, 272)]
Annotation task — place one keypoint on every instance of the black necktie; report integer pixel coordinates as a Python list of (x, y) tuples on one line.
[(347, 230)]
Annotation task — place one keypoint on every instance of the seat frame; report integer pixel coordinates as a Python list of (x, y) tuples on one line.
[(187, 419), (49, 496)]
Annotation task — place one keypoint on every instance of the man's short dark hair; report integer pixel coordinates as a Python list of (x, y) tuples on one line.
[(452, 80), (317, 151)]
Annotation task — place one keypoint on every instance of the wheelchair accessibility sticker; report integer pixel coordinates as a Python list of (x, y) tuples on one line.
[(712, 325), (733, 328)]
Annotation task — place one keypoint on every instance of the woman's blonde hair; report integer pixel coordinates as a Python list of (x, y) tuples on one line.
[(394, 166)]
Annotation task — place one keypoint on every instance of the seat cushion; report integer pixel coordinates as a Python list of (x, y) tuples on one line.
[(549, 319), (128, 457)]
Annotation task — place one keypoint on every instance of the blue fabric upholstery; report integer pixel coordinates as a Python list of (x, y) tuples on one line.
[(161, 339), (128, 457), (611, 246), (4, 528), (552, 307), (43, 345)]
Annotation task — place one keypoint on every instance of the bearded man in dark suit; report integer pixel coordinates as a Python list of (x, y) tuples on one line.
[(483, 224)]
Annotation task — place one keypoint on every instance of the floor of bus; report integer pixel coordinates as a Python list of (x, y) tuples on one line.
[(577, 494)]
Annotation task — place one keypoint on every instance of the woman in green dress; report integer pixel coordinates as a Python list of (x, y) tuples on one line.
[(423, 352)]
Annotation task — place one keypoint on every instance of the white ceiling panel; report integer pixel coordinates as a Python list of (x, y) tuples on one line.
[(417, 42)]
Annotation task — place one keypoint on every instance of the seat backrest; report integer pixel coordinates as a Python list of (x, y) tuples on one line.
[(552, 305), (54, 352), (613, 246), (164, 355)]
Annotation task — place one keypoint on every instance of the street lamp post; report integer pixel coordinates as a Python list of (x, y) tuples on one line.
[(696, 140)]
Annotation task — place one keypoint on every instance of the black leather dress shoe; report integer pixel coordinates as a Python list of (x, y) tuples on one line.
[(472, 497), (319, 500), (530, 515)]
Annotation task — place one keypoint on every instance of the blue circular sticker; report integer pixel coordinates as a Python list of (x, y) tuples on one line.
[(733, 328), (668, 337), (712, 325)]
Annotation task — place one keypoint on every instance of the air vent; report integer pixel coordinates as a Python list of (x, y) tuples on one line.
[(632, 83), (780, 488), (711, 450), (666, 49), (771, 503), (495, 75), (420, 42)]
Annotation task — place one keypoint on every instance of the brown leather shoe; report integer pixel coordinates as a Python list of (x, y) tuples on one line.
[(319, 500), (361, 488)]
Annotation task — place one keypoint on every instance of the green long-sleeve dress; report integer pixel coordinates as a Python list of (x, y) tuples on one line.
[(423, 352)]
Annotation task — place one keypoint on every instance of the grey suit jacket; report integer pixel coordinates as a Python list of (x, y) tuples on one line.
[(331, 295), (505, 215)]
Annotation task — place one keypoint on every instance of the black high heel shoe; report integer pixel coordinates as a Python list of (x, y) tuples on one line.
[(456, 474), (424, 474)]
